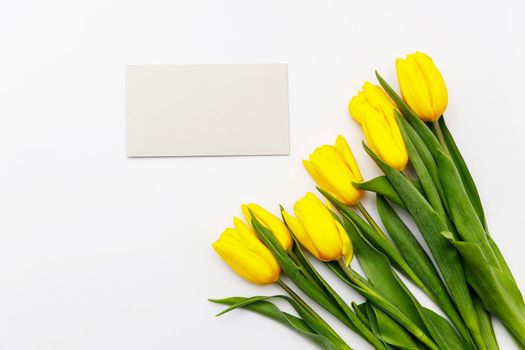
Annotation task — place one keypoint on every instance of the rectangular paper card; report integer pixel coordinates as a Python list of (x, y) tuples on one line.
[(207, 110)]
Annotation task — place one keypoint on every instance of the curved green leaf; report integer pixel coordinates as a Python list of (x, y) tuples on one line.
[(382, 186), (446, 257), (497, 291), (421, 264), (466, 177), (261, 305)]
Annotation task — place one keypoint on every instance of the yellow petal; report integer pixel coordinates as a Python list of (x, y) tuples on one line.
[(382, 143), (312, 169), (300, 233), (275, 225), (340, 178), (248, 238), (348, 250), (413, 88), (435, 83), (358, 106), (320, 226), (342, 146), (246, 262)]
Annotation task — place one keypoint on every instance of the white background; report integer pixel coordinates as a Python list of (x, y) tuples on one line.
[(98, 251)]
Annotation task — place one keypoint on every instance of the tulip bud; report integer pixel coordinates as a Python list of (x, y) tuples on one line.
[(318, 231), (240, 248), (422, 86), (271, 222), (334, 169), (374, 111)]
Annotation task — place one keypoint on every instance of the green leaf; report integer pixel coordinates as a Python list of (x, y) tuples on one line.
[(377, 239), (498, 293), (261, 305), (443, 332), (388, 284), (421, 264), (360, 311), (382, 186), (387, 291), (392, 332), (352, 320), (501, 259), (446, 257), (424, 165), (471, 190), (464, 172), (294, 272), (317, 292), (462, 212), (485, 323)]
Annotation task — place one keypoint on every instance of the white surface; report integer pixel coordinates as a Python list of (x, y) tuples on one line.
[(98, 251), (207, 110)]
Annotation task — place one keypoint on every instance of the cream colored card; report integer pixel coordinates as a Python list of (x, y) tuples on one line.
[(207, 110)]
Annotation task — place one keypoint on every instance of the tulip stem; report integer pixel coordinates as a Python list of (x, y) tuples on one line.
[(370, 219), (439, 133), (294, 295), (320, 327), (380, 301), (352, 275), (301, 267)]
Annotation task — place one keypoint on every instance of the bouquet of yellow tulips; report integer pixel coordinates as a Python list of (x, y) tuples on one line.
[(426, 177)]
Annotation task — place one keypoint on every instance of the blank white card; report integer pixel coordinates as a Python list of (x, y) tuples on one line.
[(207, 110)]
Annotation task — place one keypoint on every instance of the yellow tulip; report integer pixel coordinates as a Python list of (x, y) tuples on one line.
[(374, 111), (240, 248), (318, 231), (334, 169), (422, 86), (271, 222)]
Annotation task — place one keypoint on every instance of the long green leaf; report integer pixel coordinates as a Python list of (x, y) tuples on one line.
[(471, 190), (446, 257), (424, 165), (485, 323), (353, 320), (261, 305), (461, 209), (466, 177), (497, 291), (379, 241), (392, 332), (313, 290), (294, 272), (421, 264), (382, 186), (388, 292), (385, 281)]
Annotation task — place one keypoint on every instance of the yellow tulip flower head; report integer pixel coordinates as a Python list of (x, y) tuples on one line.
[(318, 231), (374, 111), (334, 169), (271, 222), (240, 248), (422, 86)]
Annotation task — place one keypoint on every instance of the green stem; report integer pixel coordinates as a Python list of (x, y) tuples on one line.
[(387, 307), (515, 323), (325, 328), (370, 219), (304, 271), (439, 133), (297, 298)]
